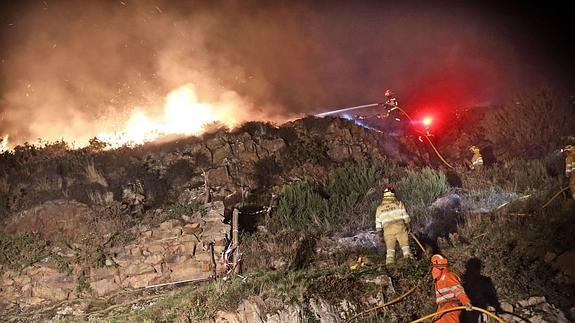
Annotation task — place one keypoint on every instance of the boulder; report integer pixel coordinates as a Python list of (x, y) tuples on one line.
[(368, 239), (50, 292), (142, 280), (54, 220), (104, 286), (136, 269), (191, 269)]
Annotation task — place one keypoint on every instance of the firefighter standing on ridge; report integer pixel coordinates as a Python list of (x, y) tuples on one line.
[(570, 167), (448, 290), (476, 160), (392, 218), (393, 113)]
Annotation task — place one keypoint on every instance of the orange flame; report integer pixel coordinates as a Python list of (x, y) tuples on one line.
[(4, 144), (183, 114)]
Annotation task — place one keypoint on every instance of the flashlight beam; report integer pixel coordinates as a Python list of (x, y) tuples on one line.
[(323, 114)]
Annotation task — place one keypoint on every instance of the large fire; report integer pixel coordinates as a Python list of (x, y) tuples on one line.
[(183, 114), (4, 144)]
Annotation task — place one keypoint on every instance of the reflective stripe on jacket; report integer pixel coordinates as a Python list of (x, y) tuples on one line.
[(448, 289), (388, 212), (477, 159), (570, 163)]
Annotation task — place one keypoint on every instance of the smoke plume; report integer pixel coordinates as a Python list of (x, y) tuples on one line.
[(73, 69)]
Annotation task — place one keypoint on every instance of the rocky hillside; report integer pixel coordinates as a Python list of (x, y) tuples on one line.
[(136, 234), (255, 157)]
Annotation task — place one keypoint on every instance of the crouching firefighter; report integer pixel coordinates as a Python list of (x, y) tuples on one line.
[(570, 167), (448, 290), (476, 159), (392, 218)]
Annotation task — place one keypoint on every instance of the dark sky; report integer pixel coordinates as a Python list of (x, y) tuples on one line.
[(66, 64)]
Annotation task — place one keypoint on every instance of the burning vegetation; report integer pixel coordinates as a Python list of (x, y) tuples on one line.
[(153, 144)]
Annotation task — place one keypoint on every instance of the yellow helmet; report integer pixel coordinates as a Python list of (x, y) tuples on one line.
[(387, 193), (474, 148), (569, 148)]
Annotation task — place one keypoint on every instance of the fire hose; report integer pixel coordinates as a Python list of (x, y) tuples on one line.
[(402, 111), (554, 197), (393, 301), (428, 140), (459, 308)]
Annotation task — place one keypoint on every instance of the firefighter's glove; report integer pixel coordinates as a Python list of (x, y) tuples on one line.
[(468, 307)]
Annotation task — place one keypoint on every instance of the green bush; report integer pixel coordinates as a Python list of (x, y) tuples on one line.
[(345, 204), (422, 187), (347, 185), (300, 206), (19, 251), (532, 124), (179, 209), (516, 175)]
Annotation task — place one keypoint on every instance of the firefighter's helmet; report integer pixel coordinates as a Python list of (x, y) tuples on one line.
[(438, 261), (569, 148), (388, 194), (474, 148), (388, 92)]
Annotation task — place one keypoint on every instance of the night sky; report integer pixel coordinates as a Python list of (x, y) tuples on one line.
[(66, 63)]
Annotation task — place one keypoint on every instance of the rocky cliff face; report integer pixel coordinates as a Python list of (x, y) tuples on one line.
[(176, 250), (79, 201), (254, 157)]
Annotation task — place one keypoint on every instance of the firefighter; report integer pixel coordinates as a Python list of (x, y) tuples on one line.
[(390, 101), (570, 167), (476, 159), (393, 114), (391, 219), (448, 290)]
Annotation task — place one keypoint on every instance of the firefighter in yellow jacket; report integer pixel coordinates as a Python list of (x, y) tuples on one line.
[(570, 167), (476, 159), (392, 218)]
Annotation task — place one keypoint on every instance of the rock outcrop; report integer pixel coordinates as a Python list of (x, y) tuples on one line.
[(175, 250)]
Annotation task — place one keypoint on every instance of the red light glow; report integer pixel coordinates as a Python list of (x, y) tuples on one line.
[(427, 121)]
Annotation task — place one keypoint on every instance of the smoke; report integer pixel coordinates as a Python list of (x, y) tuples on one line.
[(72, 69)]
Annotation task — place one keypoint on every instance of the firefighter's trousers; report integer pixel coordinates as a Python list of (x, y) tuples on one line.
[(449, 317), (393, 232), (572, 185)]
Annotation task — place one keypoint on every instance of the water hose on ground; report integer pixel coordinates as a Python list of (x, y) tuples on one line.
[(554, 197), (393, 301), (458, 308), (418, 243), (428, 140)]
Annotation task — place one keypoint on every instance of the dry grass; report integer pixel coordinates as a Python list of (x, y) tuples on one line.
[(93, 175)]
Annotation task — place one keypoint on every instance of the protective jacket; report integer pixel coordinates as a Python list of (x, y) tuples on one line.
[(570, 170), (388, 211), (477, 159), (570, 163), (392, 217), (449, 293)]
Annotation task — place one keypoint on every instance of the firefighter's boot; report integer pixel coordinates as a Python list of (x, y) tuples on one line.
[(406, 252), (390, 257)]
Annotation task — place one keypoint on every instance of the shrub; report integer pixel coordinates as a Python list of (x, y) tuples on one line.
[(300, 206), (422, 187), (19, 251), (179, 209), (347, 185), (531, 124), (516, 175), (345, 204)]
